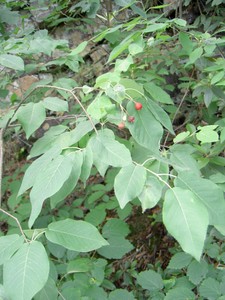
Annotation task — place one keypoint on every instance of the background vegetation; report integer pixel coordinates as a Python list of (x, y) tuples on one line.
[(113, 130)]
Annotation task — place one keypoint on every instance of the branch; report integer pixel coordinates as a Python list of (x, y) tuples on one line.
[(17, 221)]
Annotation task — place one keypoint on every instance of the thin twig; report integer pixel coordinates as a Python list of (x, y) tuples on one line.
[(75, 97), (52, 87), (178, 109), (17, 221), (15, 111)]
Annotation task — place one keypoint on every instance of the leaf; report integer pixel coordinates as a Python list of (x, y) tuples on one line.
[(181, 136), (160, 115), (75, 235), (9, 245), (87, 164), (27, 271), (146, 130), (186, 219), (115, 228), (80, 265), (121, 294), (96, 216), (179, 261), (207, 192), (76, 160), (36, 168), (55, 104), (181, 159), (78, 49), (122, 65), (180, 293), (210, 289), (117, 248), (49, 291), (207, 134), (109, 151), (48, 183), (186, 42), (31, 116), (197, 271), (155, 27), (12, 61), (80, 131), (129, 183), (150, 280), (120, 48), (157, 93), (194, 55), (99, 107), (151, 193)]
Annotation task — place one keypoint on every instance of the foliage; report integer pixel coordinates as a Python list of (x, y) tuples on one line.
[(64, 233)]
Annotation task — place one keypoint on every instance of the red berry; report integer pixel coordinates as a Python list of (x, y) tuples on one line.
[(138, 106), (121, 125), (131, 119)]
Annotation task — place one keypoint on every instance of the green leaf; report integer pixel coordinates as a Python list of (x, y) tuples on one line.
[(87, 164), (151, 193), (80, 265), (186, 42), (181, 159), (115, 228), (194, 55), (155, 27), (207, 192), (207, 134), (109, 151), (120, 48), (129, 183), (133, 89), (180, 22), (181, 136), (31, 116), (186, 219), (146, 130), (179, 261), (150, 280), (75, 235), (121, 294), (36, 168), (48, 141), (210, 289), (12, 61), (180, 293), (117, 248), (76, 160), (96, 216), (9, 245), (157, 93), (137, 46), (49, 291), (122, 65), (48, 183), (197, 271), (78, 49), (99, 107), (27, 271), (160, 115), (55, 104)]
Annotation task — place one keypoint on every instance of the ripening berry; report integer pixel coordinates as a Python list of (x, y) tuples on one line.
[(121, 125), (138, 106), (131, 119)]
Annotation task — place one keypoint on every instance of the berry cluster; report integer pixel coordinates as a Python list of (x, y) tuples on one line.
[(131, 119)]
